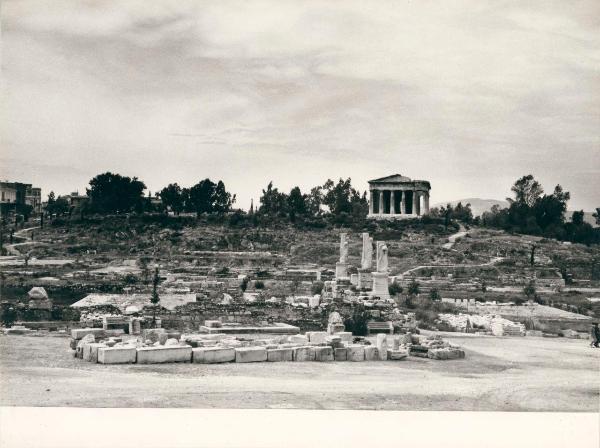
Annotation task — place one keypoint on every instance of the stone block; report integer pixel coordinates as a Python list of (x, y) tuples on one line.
[(280, 354), (340, 354), (323, 354), (90, 351), (396, 355), (99, 333), (212, 355), (152, 334), (116, 355), (250, 354), (161, 354), (356, 352), (382, 346), (345, 335), (316, 337), (298, 339), (213, 323), (304, 354), (163, 338), (372, 353)]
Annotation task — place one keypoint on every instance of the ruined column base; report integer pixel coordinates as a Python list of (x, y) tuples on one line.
[(365, 279), (341, 270), (380, 285)]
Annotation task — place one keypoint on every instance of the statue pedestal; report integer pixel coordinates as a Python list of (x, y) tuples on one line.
[(335, 328), (365, 279), (380, 285), (341, 270)]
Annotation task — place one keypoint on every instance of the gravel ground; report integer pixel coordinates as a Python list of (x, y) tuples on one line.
[(498, 374)]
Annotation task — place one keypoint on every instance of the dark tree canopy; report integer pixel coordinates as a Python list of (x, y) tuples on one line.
[(113, 193)]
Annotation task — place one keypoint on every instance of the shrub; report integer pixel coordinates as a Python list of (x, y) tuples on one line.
[(259, 284), (394, 288), (317, 287)]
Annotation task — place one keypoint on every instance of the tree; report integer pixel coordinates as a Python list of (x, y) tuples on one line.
[(113, 193), (155, 299), (549, 210), (413, 288), (57, 206), (244, 284), (296, 203), (171, 197), (434, 295), (340, 197), (273, 202), (208, 197), (530, 290), (596, 215), (527, 190)]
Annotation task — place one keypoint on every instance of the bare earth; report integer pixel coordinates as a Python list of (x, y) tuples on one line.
[(498, 374)]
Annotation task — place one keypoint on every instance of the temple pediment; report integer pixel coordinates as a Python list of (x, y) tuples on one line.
[(389, 179)]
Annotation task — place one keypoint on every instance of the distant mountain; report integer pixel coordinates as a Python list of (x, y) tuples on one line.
[(479, 206)]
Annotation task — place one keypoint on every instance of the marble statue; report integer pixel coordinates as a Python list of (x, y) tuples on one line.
[(367, 252), (343, 248), (382, 257)]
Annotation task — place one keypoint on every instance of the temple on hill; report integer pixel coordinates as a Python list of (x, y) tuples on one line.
[(398, 197)]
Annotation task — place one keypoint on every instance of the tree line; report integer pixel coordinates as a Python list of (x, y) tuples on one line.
[(532, 212)]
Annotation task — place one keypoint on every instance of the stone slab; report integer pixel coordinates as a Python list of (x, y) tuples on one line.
[(161, 354), (298, 339), (304, 354), (213, 355), (280, 354), (356, 353), (117, 355), (90, 351), (372, 353), (250, 354), (397, 355), (345, 335), (382, 346), (316, 337), (340, 354), (323, 354), (98, 333)]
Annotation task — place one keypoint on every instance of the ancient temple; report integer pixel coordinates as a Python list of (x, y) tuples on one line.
[(398, 197)]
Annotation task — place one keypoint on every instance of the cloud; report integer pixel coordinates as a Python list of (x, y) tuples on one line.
[(469, 95)]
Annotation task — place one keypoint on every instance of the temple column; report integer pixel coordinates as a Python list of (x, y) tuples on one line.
[(426, 202), (417, 203), (392, 203), (371, 202), (381, 202), (403, 203)]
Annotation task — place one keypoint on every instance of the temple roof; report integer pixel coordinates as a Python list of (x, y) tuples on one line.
[(392, 178)]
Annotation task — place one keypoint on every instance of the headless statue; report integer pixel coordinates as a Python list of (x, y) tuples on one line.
[(367, 252), (382, 257)]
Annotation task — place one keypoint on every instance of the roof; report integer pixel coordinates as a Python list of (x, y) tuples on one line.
[(392, 178), (122, 301)]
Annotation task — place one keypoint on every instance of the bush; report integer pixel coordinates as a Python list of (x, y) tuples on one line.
[(259, 284), (317, 287), (394, 288)]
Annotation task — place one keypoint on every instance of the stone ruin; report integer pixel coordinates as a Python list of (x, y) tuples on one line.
[(106, 346)]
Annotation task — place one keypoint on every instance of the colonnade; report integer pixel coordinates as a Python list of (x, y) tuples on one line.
[(398, 202)]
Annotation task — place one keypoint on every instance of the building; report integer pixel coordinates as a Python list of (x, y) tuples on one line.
[(15, 196), (75, 199), (398, 197), (33, 197)]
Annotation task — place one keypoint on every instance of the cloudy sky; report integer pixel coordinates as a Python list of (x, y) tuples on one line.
[(469, 95)]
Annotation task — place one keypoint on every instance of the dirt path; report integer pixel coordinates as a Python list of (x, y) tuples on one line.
[(499, 374), (23, 233)]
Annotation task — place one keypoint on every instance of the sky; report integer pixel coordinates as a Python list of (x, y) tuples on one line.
[(469, 95)]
